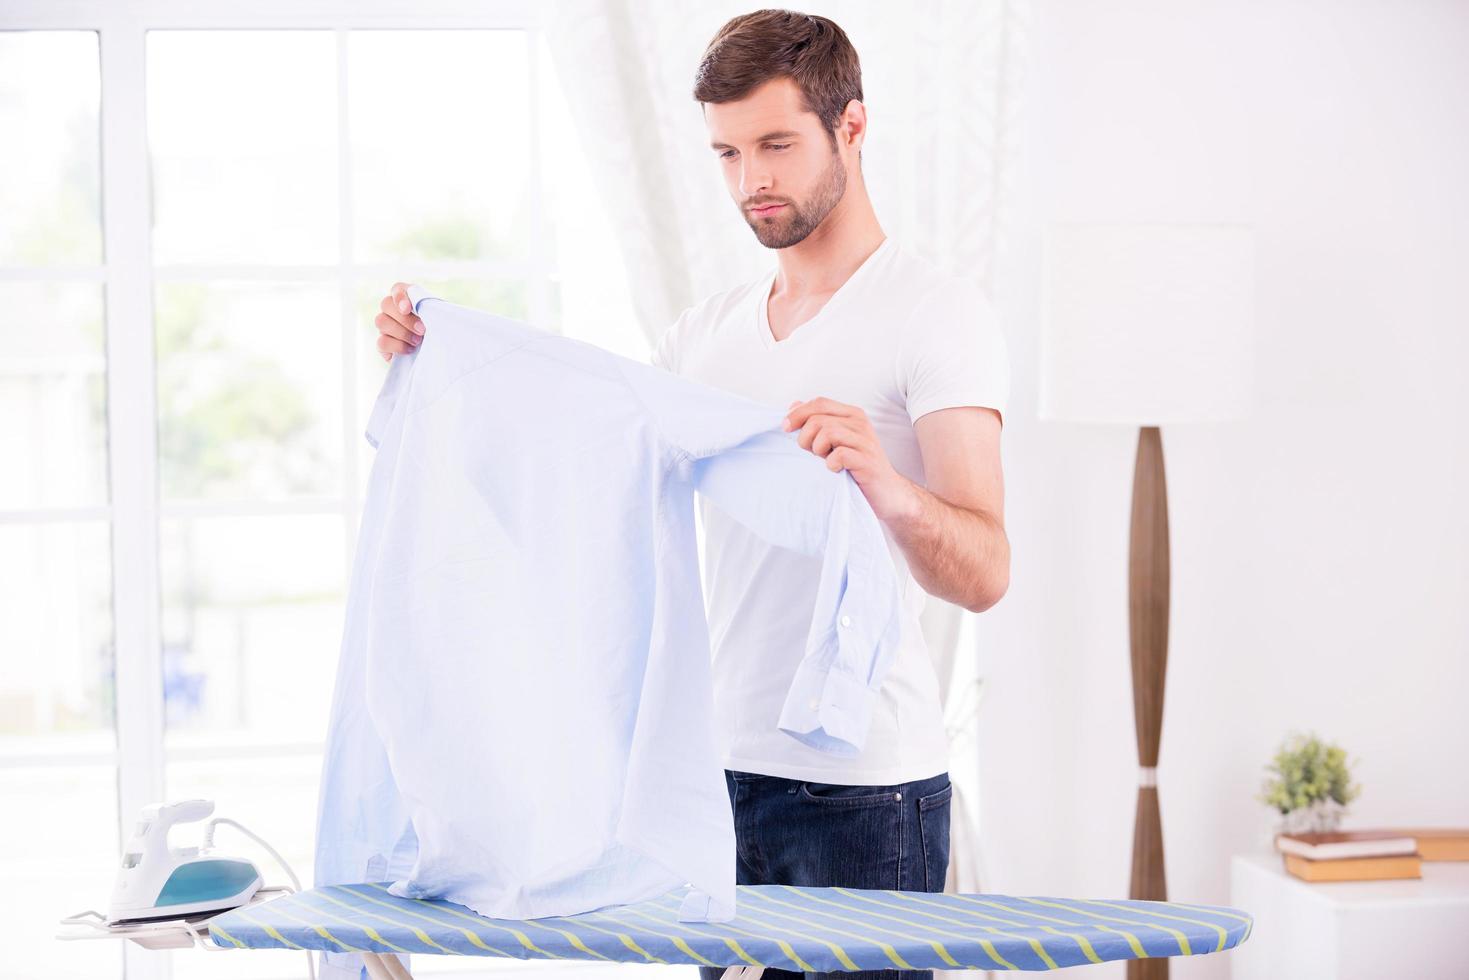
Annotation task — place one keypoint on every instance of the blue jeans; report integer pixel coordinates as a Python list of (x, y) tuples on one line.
[(791, 832)]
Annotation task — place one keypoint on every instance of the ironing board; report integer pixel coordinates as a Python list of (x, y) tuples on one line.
[(776, 926)]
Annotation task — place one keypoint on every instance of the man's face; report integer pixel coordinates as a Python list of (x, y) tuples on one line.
[(774, 152)]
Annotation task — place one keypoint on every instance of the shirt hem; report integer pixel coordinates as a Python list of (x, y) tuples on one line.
[(840, 775)]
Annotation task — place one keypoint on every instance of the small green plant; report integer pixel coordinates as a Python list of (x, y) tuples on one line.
[(1311, 786)]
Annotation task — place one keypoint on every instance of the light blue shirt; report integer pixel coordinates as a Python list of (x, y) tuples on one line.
[(521, 718)]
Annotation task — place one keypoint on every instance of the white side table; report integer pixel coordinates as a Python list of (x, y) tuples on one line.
[(1345, 930)]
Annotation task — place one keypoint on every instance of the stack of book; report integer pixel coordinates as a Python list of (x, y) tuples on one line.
[(1369, 855)]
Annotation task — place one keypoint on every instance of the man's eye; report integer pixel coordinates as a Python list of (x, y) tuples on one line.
[(725, 154), (777, 146)]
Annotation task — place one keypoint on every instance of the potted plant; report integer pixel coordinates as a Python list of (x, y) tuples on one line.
[(1311, 785)]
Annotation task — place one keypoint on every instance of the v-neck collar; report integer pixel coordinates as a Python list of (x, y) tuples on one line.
[(762, 311)]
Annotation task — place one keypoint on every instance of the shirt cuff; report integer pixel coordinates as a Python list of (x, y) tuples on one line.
[(827, 709), (387, 399), (417, 294), (700, 906)]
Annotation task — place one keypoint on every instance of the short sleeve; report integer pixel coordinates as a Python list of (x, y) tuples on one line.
[(666, 352), (954, 353)]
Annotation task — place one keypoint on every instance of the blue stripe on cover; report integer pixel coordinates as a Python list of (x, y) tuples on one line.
[(779, 926)]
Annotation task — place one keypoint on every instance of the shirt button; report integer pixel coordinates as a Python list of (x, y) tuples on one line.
[(846, 620), (898, 797), (815, 703)]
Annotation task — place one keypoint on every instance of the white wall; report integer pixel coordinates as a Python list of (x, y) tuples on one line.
[(1320, 578)]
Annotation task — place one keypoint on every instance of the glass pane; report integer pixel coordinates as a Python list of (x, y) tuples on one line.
[(50, 184), (61, 856), (249, 390), (592, 302), (505, 298), (56, 645), (440, 124), (53, 384), (242, 130), (252, 626)]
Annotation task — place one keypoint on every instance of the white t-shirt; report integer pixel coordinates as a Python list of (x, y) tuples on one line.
[(900, 338)]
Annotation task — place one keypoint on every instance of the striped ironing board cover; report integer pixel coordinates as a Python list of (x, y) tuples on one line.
[(776, 926)]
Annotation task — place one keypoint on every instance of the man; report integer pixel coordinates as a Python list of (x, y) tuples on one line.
[(909, 375)]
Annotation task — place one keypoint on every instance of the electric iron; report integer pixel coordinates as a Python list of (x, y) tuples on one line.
[(160, 882), (165, 897)]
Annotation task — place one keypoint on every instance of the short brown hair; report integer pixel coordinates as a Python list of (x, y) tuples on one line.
[(753, 48)]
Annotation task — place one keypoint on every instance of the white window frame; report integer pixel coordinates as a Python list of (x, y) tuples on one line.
[(134, 511)]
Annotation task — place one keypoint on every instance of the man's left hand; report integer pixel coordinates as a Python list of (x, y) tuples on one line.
[(843, 436)]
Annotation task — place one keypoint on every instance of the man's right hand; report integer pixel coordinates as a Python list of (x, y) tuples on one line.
[(399, 328)]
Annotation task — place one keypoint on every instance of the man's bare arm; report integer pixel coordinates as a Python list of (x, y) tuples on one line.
[(953, 531)]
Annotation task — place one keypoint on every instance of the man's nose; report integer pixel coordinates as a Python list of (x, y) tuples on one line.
[(753, 180)]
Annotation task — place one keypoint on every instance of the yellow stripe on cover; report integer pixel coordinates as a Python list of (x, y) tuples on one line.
[(1082, 942), (811, 929), (373, 934), (728, 941), (469, 934), (785, 947), (886, 947), (520, 936), (937, 946)]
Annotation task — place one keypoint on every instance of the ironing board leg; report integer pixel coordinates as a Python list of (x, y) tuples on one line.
[(385, 967), (742, 973)]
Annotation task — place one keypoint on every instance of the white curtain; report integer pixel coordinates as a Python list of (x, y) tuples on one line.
[(941, 82)]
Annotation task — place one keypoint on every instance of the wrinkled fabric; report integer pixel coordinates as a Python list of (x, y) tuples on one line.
[(521, 718)]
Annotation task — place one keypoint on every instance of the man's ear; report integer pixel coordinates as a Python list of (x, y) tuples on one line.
[(854, 118)]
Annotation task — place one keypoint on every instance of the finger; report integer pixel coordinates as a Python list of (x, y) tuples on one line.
[(831, 436), (392, 345), (410, 321), (814, 426), (399, 294), (824, 406), (805, 438), (397, 305), (840, 458), (825, 441), (389, 327), (831, 406)]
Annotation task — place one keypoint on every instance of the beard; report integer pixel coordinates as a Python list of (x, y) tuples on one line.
[(798, 220)]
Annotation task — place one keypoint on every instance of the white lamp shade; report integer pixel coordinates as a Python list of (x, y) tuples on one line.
[(1147, 324)]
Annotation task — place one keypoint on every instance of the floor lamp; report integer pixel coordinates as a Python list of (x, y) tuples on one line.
[(1147, 325)]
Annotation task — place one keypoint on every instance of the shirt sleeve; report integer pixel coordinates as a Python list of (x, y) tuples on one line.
[(788, 496), (364, 830), (395, 384), (666, 352), (954, 353), (734, 451)]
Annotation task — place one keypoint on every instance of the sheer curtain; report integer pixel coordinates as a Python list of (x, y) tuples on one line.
[(941, 83)]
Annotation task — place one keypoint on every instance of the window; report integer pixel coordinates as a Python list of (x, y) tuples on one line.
[(57, 712), (208, 208)]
